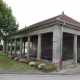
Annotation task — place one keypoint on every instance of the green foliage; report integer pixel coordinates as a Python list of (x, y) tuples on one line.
[(6, 63), (8, 25), (37, 63), (18, 45), (48, 66), (9, 48), (1, 47), (17, 48)]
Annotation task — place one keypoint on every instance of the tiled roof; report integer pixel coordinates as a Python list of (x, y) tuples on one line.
[(68, 19), (61, 17)]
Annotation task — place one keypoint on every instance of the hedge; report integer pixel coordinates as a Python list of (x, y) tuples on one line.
[(1, 47), (17, 48)]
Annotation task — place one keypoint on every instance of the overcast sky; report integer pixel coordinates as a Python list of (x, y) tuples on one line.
[(28, 12)]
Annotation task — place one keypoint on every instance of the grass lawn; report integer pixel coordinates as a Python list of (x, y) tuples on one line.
[(7, 63)]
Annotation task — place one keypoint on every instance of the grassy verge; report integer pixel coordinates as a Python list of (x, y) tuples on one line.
[(6, 63)]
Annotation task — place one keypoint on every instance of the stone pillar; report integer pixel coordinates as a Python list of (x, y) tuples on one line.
[(11, 47), (20, 47), (75, 49), (28, 51), (39, 47), (57, 47), (7, 48), (4, 46), (15, 46)]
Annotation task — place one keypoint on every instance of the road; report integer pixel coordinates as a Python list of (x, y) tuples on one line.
[(38, 77)]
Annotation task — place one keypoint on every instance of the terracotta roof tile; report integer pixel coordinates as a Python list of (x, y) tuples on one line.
[(62, 17), (68, 19)]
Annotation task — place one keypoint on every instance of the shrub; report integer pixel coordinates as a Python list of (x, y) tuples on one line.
[(32, 63), (37, 63), (33, 59), (17, 48), (1, 47), (28, 60), (40, 65), (48, 66)]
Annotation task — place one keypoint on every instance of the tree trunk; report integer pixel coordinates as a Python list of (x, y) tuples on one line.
[(4, 46)]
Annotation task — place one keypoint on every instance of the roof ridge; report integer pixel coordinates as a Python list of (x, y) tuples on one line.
[(62, 17)]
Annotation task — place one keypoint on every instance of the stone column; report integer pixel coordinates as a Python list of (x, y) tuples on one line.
[(20, 47), (11, 47), (28, 51), (15, 46), (75, 48), (7, 48), (39, 47), (57, 47)]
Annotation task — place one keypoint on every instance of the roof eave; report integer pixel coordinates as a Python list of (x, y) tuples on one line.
[(69, 23), (37, 26), (56, 20)]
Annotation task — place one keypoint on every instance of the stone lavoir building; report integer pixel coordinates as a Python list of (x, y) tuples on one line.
[(56, 39)]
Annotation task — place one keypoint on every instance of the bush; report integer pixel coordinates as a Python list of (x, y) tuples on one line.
[(9, 47), (37, 63), (40, 65), (32, 63), (1, 47), (48, 66), (28, 60), (18, 45), (17, 48)]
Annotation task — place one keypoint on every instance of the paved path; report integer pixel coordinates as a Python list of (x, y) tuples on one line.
[(38, 72), (38, 77)]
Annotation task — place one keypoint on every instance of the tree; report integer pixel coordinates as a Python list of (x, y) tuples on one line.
[(8, 25)]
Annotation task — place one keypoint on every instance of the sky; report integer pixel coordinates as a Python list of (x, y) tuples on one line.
[(28, 12)]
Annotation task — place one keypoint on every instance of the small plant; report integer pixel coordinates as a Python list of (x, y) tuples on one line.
[(37, 63), (13, 56), (33, 59), (32, 63), (48, 66), (40, 65), (28, 60)]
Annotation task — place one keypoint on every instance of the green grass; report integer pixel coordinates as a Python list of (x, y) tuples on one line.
[(7, 63)]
